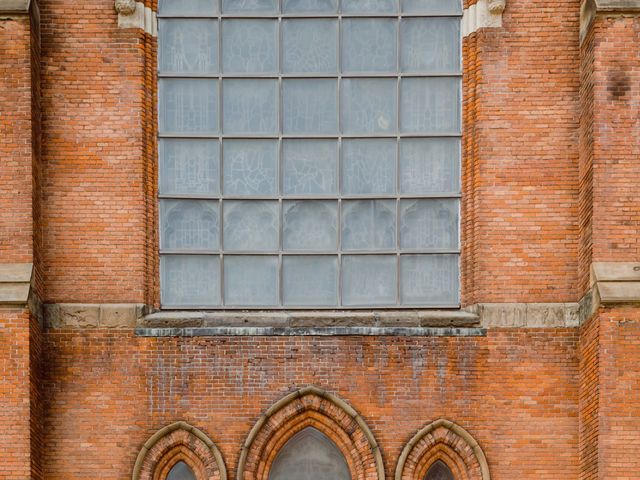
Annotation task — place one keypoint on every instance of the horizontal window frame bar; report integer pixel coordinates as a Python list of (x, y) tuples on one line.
[(301, 253), (303, 76), (303, 16), (348, 136), (336, 197), (337, 308)]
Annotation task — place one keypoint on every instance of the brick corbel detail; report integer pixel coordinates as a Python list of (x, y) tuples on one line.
[(311, 407), (179, 442), (445, 441)]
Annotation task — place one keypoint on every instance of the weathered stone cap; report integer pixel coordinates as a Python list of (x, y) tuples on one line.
[(616, 282), (15, 283), (14, 6)]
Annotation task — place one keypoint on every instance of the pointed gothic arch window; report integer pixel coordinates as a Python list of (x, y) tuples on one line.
[(181, 471), (310, 455), (439, 471)]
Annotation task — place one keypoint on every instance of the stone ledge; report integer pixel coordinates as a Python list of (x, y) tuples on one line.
[(527, 315), (79, 315), (591, 8), (14, 6), (302, 319), (615, 282), (310, 331), (15, 283)]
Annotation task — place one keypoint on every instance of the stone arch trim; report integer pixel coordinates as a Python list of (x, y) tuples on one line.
[(175, 442), (311, 407), (446, 441)]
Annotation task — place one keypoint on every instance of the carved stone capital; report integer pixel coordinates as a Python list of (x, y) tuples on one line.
[(482, 14), (497, 6), (125, 7), (132, 14)]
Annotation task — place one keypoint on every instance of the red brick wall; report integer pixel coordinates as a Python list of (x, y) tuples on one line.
[(589, 399), (616, 139), (94, 148), (515, 391), (16, 222), (17, 388), (521, 164), (619, 391)]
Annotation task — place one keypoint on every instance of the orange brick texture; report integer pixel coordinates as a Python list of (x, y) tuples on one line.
[(98, 143), (610, 143), (609, 395), (515, 391), (520, 185), (21, 414)]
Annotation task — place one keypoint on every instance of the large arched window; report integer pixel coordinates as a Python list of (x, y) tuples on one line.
[(309, 455), (309, 153), (181, 471), (439, 471)]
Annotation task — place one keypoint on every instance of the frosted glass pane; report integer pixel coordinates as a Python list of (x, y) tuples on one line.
[(368, 105), (433, 7), (189, 166), (249, 46), (430, 45), (249, 6), (429, 223), (430, 105), (368, 280), (368, 224), (369, 45), (190, 280), (188, 105), (309, 167), (429, 165), (250, 226), (187, 7), (188, 46), (309, 46), (309, 455), (368, 166), (310, 106), (311, 280), (250, 106), (369, 6), (180, 471), (189, 224), (250, 167), (429, 279), (250, 280), (310, 225), (310, 6)]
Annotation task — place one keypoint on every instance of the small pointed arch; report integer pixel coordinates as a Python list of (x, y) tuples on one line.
[(442, 444), (177, 451), (305, 412), (439, 471)]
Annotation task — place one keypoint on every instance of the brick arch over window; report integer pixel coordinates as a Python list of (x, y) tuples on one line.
[(311, 407), (445, 441), (179, 442)]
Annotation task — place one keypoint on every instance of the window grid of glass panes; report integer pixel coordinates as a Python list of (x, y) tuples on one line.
[(309, 153)]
